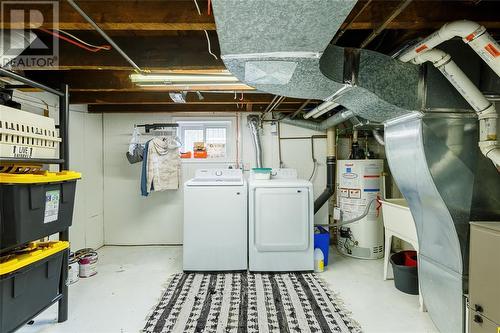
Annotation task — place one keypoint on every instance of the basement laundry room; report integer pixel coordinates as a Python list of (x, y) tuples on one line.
[(250, 166)]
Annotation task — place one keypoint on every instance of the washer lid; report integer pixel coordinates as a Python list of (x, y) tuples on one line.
[(217, 177)]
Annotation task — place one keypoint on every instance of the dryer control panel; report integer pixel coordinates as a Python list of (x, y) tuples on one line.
[(218, 175)]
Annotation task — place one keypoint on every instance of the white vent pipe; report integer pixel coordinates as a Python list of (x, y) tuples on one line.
[(471, 33), (320, 109), (328, 104), (330, 141), (322, 112), (485, 109)]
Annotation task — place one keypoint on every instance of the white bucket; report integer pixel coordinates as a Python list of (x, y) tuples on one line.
[(73, 271)]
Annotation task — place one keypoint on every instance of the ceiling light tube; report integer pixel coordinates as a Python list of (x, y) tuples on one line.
[(182, 78), (188, 84)]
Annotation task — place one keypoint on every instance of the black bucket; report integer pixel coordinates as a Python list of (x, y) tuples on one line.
[(405, 277)]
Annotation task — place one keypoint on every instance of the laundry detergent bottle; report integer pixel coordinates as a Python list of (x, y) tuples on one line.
[(319, 260)]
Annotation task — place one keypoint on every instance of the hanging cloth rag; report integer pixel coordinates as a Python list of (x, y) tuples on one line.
[(144, 172), (135, 149), (163, 164)]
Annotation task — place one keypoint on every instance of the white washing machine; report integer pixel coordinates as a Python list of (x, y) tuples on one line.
[(215, 221), (280, 223)]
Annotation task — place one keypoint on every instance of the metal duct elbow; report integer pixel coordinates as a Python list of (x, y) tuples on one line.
[(253, 124)]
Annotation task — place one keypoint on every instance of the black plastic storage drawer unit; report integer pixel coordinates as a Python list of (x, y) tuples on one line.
[(29, 282), (33, 206)]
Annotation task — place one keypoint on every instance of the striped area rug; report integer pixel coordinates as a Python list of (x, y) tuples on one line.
[(249, 302)]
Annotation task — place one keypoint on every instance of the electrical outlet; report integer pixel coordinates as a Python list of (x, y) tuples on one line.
[(273, 128)]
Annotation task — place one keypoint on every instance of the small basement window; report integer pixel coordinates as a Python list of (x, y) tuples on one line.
[(207, 140)]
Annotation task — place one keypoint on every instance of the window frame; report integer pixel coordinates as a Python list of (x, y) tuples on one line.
[(229, 123)]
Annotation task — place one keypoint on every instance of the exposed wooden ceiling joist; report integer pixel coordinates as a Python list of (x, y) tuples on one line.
[(157, 97), (182, 15), (144, 108), (423, 14), (165, 35), (127, 15)]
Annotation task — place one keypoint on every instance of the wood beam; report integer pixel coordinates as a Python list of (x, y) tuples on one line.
[(158, 53), (168, 15), (144, 108), (425, 14), (123, 15), (147, 97)]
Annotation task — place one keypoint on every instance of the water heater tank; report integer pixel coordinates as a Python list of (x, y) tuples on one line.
[(358, 183)]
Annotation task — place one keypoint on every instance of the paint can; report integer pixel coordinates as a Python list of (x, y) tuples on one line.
[(73, 269), (88, 264)]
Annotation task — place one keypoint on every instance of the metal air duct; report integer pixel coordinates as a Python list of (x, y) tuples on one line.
[(282, 47)]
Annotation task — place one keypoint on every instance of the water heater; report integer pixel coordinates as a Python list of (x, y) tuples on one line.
[(358, 183)]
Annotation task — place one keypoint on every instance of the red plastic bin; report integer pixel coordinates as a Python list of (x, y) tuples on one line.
[(410, 258)]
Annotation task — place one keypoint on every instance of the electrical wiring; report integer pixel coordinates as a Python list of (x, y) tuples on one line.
[(102, 47), (314, 170), (209, 46), (206, 33), (197, 7), (69, 40), (315, 161)]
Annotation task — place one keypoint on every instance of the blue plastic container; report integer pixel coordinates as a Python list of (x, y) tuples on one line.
[(322, 241)]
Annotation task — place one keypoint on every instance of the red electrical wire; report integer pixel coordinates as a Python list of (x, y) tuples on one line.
[(69, 40)]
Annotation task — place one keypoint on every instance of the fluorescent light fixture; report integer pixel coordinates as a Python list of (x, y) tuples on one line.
[(190, 85), (182, 79)]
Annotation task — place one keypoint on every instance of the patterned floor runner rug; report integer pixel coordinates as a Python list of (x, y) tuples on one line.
[(249, 302)]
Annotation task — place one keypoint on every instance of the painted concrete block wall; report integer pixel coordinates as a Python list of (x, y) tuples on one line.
[(157, 219), (85, 139), (85, 134)]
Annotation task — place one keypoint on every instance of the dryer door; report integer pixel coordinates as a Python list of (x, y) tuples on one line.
[(282, 220)]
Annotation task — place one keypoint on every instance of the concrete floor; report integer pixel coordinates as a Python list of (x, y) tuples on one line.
[(130, 280)]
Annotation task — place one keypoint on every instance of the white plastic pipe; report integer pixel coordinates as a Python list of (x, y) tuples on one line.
[(485, 110), (355, 136), (320, 109), (328, 104), (322, 112), (330, 141), (471, 33)]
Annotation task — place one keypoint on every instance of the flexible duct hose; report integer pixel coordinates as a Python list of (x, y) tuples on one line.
[(378, 137), (253, 123)]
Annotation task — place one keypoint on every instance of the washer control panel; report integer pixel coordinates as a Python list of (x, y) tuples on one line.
[(218, 175)]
